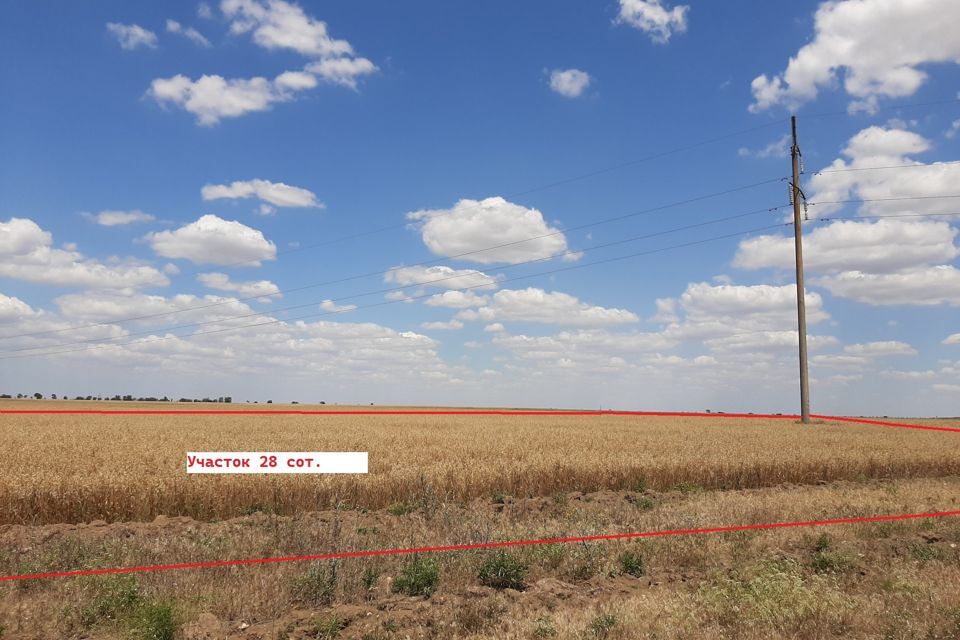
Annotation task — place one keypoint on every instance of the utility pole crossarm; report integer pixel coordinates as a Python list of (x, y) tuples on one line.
[(796, 195)]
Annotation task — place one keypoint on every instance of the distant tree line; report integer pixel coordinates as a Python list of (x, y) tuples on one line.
[(130, 398), (118, 398)]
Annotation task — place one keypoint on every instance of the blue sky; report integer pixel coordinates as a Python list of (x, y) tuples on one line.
[(149, 149)]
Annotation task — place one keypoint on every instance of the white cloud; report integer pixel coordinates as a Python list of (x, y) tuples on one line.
[(496, 327), (776, 149), (456, 300), (222, 282), (155, 310), (26, 253), (569, 83), (908, 375), (132, 36), (880, 349), (204, 10), (281, 25), (881, 246), (921, 287), (442, 277), (451, 325), (953, 130), (211, 98), (666, 310), (14, 309), (274, 25), (654, 19), (878, 147), (114, 218), (342, 71), (952, 339), (733, 308), (332, 307), (537, 305), (854, 36), (471, 225), (947, 388), (189, 33), (275, 193), (213, 240)]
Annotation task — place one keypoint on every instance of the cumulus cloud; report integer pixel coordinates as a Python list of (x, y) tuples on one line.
[(222, 282), (854, 36), (518, 233), (281, 25), (883, 262), (880, 349), (927, 286), (746, 307), (537, 305), (881, 246), (189, 33), (332, 307), (570, 83), (274, 193), (456, 300), (653, 18), (14, 309), (115, 218), (878, 147), (26, 253), (211, 97), (213, 240), (952, 339), (342, 71), (450, 325), (442, 277), (132, 36)]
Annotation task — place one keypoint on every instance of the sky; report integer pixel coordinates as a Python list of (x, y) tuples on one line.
[(547, 203)]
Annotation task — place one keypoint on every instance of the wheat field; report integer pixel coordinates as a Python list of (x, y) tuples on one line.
[(79, 468)]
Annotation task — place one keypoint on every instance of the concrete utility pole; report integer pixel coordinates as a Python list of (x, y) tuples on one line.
[(795, 195)]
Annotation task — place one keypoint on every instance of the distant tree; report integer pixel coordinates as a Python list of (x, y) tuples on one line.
[(228, 399), (38, 396), (269, 401), (53, 396), (19, 395)]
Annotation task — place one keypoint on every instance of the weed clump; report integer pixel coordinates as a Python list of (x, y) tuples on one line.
[(418, 577), (503, 570)]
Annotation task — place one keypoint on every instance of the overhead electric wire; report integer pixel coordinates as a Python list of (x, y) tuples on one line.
[(388, 302), (515, 194), (891, 107), (568, 252), (891, 166), (416, 264)]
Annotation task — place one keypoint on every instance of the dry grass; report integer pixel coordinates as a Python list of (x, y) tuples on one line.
[(895, 579), (74, 468)]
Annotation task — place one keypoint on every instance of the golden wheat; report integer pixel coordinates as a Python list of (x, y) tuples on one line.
[(73, 468)]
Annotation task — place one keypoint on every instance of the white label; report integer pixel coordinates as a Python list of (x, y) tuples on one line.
[(276, 462)]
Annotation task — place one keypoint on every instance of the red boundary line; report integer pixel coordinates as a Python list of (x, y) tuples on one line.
[(460, 412), (479, 545)]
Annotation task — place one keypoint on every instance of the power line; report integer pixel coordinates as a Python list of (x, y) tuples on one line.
[(568, 252), (416, 264), (892, 166), (892, 107), (515, 194), (388, 302), (893, 199)]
